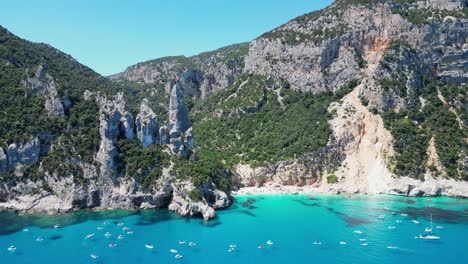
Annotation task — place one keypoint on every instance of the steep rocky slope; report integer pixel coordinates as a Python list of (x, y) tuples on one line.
[(361, 97)]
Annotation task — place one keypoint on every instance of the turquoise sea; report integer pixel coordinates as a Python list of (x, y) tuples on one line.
[(293, 223)]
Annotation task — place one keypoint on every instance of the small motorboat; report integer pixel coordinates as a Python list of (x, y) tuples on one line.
[(269, 242), (106, 223), (39, 239), (129, 232), (178, 256), (120, 223), (26, 230), (362, 239), (93, 256), (11, 248), (181, 242), (173, 251), (149, 246), (120, 237), (439, 227), (107, 234), (429, 237), (342, 243), (112, 245), (392, 247), (56, 226), (100, 227), (364, 244), (403, 214), (428, 229), (233, 246), (261, 246), (317, 243), (192, 244), (89, 235), (414, 221), (231, 249), (358, 231), (391, 227), (386, 209), (125, 228), (398, 221)]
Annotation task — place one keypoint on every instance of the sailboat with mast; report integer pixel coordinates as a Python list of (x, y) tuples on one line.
[(430, 236)]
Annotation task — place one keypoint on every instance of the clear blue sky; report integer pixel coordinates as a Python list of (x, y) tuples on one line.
[(109, 35)]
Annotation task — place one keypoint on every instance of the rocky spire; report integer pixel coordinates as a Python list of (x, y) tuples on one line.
[(147, 126), (180, 128)]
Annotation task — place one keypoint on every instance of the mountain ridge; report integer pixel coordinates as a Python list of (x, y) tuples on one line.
[(359, 97)]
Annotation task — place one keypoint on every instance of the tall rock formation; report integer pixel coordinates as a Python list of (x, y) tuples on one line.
[(147, 126), (179, 126)]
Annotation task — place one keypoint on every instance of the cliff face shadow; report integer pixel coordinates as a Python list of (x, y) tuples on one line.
[(149, 217), (305, 203)]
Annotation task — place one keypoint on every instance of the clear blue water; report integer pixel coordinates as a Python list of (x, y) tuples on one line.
[(293, 223)]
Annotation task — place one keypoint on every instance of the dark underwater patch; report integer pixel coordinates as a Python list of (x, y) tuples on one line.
[(306, 204), (149, 217), (438, 214), (249, 202), (55, 237), (248, 213), (211, 223)]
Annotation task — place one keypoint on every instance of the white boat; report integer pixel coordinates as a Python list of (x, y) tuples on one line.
[(192, 244), (178, 256), (39, 239), (120, 223), (398, 221), (231, 249), (439, 227), (317, 243), (416, 222), (233, 246), (269, 242), (120, 237), (149, 246), (89, 235), (181, 242), (25, 230), (431, 236), (11, 248), (129, 232), (173, 251), (342, 243), (112, 245), (364, 244), (362, 239), (381, 216), (391, 227), (393, 213), (261, 246), (358, 231), (94, 256), (125, 228), (107, 234), (404, 214), (106, 223), (56, 226), (392, 247), (100, 227)]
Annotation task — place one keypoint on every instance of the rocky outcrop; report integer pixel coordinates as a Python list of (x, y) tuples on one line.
[(324, 50), (19, 154), (147, 126), (179, 128), (43, 84), (212, 199), (198, 76)]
